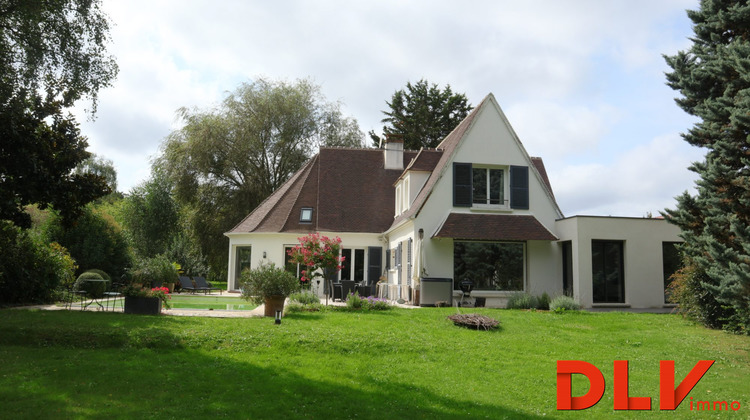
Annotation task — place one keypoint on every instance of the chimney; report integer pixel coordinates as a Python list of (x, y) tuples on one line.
[(394, 152)]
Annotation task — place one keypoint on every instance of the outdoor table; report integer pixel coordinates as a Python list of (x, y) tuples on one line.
[(93, 298)]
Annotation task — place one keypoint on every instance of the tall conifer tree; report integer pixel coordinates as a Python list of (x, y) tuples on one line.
[(713, 77)]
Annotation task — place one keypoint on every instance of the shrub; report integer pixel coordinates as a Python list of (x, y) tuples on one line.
[(266, 281), (95, 240), (30, 269), (294, 307), (564, 303), (93, 289), (695, 300), (104, 275), (543, 302), (155, 271), (353, 301), (304, 298), (370, 303), (522, 300), (375, 303)]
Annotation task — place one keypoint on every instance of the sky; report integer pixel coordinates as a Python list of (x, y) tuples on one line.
[(581, 81)]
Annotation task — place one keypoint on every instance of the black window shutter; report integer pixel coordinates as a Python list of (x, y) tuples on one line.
[(519, 187), (462, 188), (387, 259), (375, 264), (409, 264)]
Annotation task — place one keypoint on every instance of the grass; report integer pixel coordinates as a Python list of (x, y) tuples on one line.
[(394, 364)]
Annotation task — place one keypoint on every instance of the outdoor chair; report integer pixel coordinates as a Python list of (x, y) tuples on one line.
[(348, 287), (187, 284), (336, 291), (202, 284), (113, 292), (71, 295)]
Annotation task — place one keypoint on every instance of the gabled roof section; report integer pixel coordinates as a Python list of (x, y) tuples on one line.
[(453, 141), (447, 146), (348, 189)]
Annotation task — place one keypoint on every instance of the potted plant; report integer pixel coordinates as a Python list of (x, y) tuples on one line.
[(156, 271), (268, 285), (145, 301)]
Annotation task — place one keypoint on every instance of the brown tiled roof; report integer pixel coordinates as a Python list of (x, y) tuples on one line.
[(493, 227), (539, 165), (425, 160), (348, 190)]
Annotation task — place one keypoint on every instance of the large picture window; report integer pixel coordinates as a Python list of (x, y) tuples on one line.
[(607, 270), (490, 265)]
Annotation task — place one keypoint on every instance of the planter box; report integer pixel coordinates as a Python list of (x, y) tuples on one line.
[(142, 305)]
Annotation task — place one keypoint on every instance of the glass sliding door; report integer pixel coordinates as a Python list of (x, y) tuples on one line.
[(242, 262), (607, 270)]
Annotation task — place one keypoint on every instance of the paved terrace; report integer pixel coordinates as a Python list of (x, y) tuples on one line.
[(211, 313)]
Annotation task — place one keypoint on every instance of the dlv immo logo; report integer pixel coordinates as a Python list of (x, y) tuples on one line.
[(669, 396)]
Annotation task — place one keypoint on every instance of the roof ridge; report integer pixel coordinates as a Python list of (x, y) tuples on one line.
[(302, 179)]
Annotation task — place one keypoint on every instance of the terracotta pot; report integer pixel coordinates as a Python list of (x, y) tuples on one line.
[(273, 303)]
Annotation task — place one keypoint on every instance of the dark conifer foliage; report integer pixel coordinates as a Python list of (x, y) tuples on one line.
[(423, 114), (713, 77)]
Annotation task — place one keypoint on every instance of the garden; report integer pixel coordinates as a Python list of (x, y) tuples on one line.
[(400, 363)]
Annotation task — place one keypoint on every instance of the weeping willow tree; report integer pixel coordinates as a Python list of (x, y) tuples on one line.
[(225, 161)]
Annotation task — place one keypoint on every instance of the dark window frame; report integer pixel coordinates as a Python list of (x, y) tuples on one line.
[(303, 219)]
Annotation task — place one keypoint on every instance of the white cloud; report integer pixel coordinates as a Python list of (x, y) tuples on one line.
[(645, 179), (542, 60), (556, 131)]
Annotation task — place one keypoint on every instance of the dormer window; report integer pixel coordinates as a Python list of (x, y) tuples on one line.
[(305, 215)]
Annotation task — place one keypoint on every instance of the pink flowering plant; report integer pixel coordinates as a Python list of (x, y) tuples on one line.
[(318, 254)]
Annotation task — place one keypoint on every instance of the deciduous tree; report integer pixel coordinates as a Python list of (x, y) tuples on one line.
[(225, 161), (52, 53)]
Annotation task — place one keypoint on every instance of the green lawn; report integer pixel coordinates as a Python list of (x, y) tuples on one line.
[(381, 365)]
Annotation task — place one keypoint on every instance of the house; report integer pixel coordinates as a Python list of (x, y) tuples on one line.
[(477, 208)]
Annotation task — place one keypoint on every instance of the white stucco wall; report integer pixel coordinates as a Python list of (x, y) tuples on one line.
[(490, 141), (642, 247), (273, 245)]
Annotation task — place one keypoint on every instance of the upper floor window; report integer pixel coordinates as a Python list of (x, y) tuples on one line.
[(488, 186), (477, 185)]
